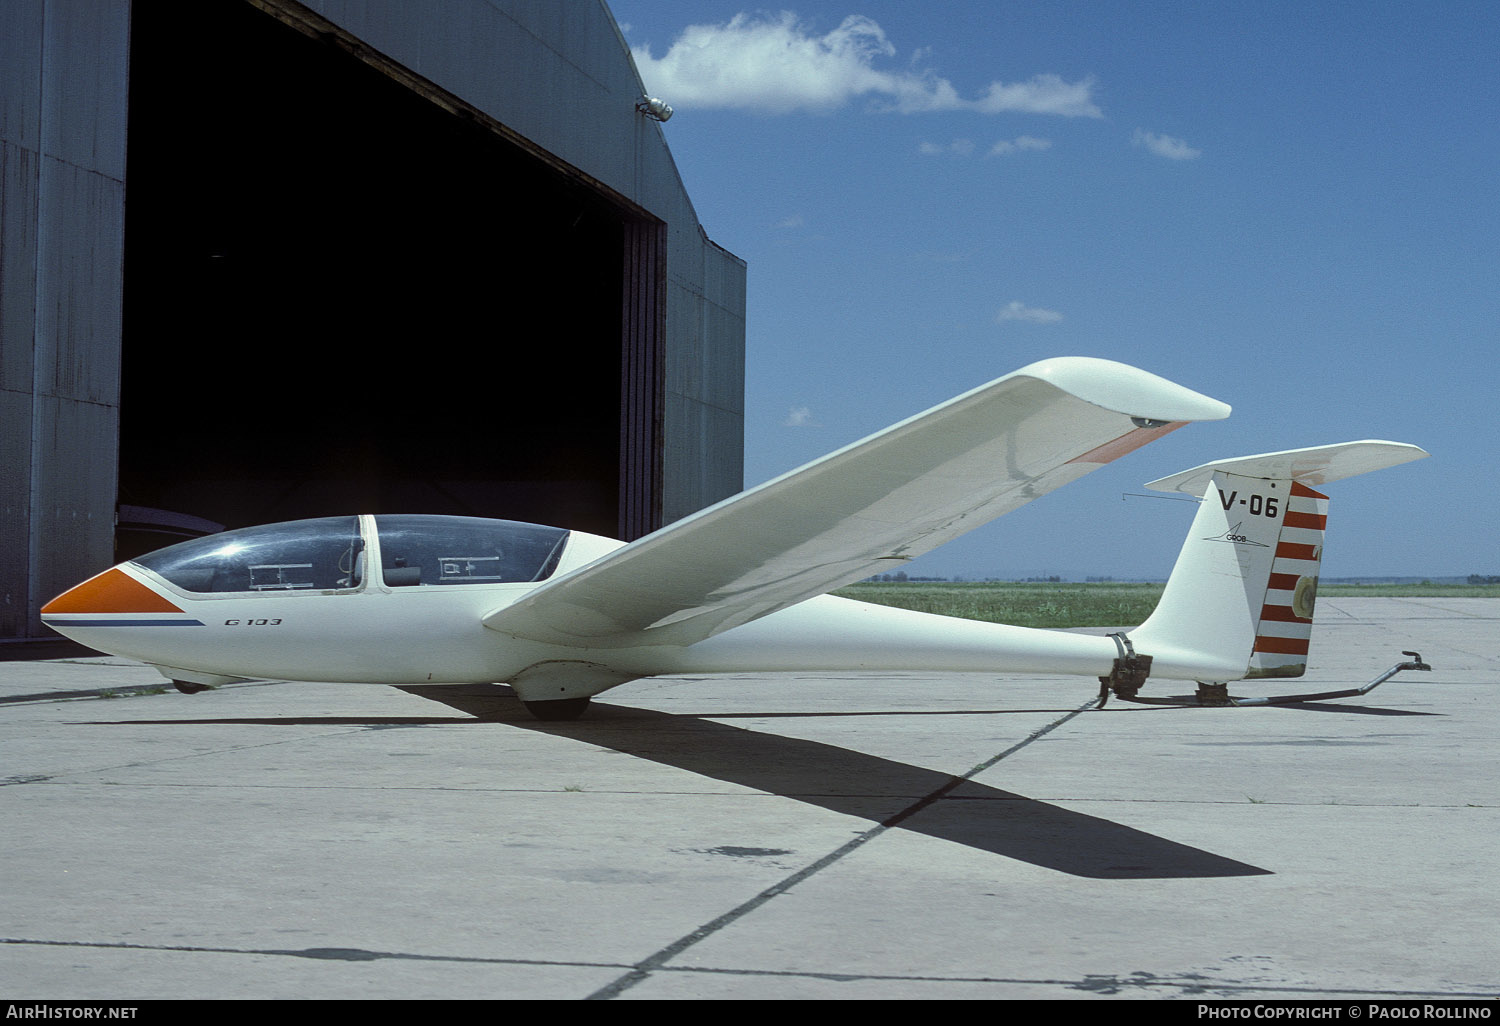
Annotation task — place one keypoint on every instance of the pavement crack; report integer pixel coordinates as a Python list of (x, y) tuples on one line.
[(642, 970), (1183, 985)]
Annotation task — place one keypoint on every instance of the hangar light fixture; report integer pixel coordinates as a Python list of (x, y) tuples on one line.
[(655, 109)]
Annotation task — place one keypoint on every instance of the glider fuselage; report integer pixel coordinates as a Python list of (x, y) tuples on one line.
[(409, 632)]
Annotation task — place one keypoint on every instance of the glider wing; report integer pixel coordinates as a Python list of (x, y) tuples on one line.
[(865, 509)]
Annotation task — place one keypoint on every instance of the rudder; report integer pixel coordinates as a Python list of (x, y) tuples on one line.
[(1284, 633)]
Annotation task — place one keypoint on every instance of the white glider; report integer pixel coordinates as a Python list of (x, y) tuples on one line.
[(740, 586)]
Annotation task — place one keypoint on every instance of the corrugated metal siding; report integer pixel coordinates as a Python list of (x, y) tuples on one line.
[(641, 381), (62, 171)]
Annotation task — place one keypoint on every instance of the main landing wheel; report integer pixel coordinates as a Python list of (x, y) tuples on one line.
[(558, 709)]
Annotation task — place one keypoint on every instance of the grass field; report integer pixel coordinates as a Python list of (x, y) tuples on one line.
[(1105, 604)]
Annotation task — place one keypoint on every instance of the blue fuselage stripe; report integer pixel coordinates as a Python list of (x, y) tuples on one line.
[(52, 622)]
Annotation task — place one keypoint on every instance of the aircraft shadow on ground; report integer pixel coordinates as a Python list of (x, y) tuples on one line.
[(867, 786), (881, 791)]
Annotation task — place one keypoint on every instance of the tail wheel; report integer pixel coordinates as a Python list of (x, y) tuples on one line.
[(1218, 694)]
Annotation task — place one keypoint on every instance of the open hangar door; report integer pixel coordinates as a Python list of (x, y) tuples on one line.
[(340, 297)]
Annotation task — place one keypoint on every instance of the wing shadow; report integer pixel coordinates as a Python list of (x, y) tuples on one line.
[(865, 786)]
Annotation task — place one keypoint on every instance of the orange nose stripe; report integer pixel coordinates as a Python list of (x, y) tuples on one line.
[(111, 592)]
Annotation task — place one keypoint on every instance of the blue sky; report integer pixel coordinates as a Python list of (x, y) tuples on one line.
[(1291, 206)]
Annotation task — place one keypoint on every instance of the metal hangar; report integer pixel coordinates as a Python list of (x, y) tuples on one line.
[(262, 260)]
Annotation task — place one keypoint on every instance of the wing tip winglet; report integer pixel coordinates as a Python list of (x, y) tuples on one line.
[(1126, 389)]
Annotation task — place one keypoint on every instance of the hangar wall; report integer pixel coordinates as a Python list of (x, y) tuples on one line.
[(63, 73), (554, 78)]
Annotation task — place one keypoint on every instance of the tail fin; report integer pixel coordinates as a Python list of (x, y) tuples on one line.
[(1240, 600)]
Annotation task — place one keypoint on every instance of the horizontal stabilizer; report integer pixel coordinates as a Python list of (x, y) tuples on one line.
[(1315, 466)]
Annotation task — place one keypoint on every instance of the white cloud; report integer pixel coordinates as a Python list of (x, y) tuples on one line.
[(957, 148), (1164, 146), (1042, 94), (1019, 144), (800, 417), (966, 147), (1015, 310), (776, 65)]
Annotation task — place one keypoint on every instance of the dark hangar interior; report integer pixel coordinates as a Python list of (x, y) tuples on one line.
[(340, 297)]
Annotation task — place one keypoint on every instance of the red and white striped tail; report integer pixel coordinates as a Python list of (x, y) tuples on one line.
[(1284, 634), (1240, 599)]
